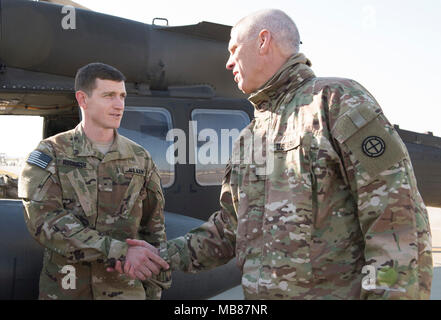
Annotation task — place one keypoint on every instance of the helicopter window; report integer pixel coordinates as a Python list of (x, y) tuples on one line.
[(216, 130), (20, 135), (148, 127)]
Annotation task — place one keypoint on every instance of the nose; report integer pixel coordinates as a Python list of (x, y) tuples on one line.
[(119, 104), (230, 63)]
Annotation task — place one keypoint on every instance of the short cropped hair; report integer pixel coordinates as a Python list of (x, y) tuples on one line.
[(281, 26), (85, 79)]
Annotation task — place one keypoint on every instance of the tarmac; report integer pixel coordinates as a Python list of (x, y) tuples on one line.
[(236, 293)]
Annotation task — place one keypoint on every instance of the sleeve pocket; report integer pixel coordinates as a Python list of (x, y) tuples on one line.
[(33, 183), (365, 134)]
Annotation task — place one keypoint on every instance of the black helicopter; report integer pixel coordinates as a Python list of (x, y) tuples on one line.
[(176, 79)]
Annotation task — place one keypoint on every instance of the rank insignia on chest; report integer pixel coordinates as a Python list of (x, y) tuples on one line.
[(39, 159), (135, 171), (76, 164)]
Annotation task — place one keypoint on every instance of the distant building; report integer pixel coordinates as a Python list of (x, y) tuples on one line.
[(3, 159)]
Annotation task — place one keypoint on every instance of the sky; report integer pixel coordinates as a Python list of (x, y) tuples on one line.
[(391, 47)]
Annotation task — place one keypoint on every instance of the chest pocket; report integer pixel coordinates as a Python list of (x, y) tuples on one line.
[(291, 181), (289, 207), (79, 185), (134, 191), (251, 180), (288, 158), (250, 197)]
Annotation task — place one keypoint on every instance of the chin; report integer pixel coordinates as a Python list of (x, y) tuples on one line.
[(241, 88), (246, 91), (116, 124), (112, 126)]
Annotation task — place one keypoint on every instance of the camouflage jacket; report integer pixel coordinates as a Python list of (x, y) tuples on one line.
[(82, 205), (337, 214)]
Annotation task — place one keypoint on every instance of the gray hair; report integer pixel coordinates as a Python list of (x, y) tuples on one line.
[(282, 28)]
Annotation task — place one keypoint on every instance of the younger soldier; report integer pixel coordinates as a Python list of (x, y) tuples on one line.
[(87, 190)]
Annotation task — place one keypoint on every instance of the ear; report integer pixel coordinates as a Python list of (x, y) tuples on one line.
[(81, 97), (265, 40)]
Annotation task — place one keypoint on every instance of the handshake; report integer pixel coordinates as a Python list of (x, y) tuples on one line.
[(142, 261)]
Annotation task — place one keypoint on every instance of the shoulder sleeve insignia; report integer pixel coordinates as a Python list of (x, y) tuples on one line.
[(373, 146), (39, 159), (373, 143)]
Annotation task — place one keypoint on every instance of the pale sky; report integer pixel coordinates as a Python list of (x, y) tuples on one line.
[(392, 47)]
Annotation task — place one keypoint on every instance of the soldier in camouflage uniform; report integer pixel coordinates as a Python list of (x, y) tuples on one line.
[(83, 199), (337, 214)]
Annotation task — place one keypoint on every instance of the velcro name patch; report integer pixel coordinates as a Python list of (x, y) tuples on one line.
[(135, 171), (285, 146), (287, 143), (76, 164)]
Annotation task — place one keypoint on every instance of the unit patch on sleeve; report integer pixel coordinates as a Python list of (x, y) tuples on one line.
[(39, 159), (374, 146)]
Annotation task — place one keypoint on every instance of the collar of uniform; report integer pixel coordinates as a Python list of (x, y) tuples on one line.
[(119, 150), (294, 72), (83, 147)]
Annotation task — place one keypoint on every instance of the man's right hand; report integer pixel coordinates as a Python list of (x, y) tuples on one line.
[(141, 261)]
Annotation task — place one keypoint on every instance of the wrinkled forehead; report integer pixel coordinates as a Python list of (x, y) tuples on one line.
[(236, 36)]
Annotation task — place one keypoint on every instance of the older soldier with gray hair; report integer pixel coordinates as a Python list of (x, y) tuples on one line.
[(339, 215)]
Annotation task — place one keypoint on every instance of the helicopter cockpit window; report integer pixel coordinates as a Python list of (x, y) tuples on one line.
[(215, 132), (148, 127)]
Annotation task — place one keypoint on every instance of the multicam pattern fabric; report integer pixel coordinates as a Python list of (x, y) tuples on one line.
[(84, 205), (332, 202)]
